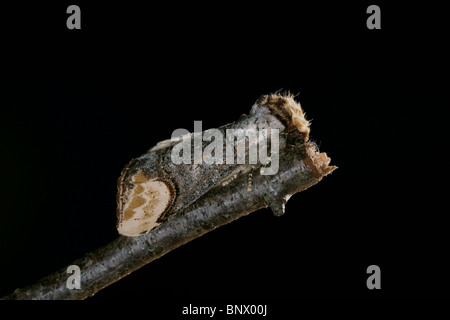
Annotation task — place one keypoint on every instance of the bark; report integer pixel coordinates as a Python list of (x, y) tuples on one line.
[(301, 166)]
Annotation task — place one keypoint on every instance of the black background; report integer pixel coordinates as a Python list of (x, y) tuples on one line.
[(77, 105)]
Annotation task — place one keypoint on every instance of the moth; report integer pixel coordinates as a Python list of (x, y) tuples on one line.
[(153, 187)]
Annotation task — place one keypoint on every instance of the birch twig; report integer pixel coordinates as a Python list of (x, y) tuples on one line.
[(301, 166)]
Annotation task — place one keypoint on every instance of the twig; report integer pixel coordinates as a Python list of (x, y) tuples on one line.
[(301, 166)]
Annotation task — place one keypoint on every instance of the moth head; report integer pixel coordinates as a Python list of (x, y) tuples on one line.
[(288, 111)]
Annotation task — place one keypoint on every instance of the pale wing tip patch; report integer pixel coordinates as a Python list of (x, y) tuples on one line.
[(142, 205)]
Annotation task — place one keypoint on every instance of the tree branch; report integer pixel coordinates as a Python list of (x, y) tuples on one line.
[(301, 166)]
